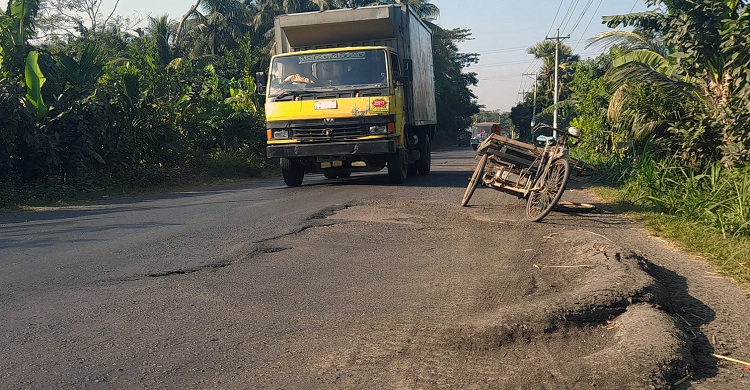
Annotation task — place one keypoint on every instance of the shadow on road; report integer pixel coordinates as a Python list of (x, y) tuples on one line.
[(691, 314)]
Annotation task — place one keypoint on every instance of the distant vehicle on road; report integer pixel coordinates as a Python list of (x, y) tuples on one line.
[(480, 132)]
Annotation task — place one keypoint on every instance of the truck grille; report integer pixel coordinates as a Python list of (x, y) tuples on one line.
[(321, 130)]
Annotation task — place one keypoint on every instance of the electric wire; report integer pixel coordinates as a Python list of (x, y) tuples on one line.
[(583, 13), (569, 15), (535, 61), (501, 63), (504, 50), (589, 24), (565, 20), (555, 19), (498, 77)]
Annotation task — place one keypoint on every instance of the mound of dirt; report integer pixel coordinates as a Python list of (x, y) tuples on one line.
[(572, 311), (596, 318)]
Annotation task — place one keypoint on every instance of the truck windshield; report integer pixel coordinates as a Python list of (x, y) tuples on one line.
[(325, 71)]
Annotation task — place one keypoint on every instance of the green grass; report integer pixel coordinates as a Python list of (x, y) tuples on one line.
[(705, 214), (716, 197)]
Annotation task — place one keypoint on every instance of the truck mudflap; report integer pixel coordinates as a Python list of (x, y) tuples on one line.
[(359, 148)]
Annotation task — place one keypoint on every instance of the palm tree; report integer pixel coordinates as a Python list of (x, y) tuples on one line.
[(161, 30), (545, 50), (219, 27), (424, 9), (692, 72)]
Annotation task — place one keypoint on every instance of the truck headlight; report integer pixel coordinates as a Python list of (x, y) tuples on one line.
[(281, 134), (381, 129)]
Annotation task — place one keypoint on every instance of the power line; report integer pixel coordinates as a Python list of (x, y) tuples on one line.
[(499, 77), (533, 62), (589, 23), (583, 13), (636, 3), (503, 50), (569, 14), (503, 63), (555, 19)]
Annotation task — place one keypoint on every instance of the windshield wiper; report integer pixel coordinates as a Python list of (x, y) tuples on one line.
[(357, 86), (296, 93), (284, 94)]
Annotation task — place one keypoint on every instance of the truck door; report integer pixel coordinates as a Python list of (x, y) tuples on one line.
[(401, 90)]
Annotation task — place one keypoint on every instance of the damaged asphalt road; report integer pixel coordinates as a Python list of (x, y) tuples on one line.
[(357, 284)]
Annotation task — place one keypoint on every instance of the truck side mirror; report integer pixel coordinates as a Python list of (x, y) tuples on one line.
[(408, 70), (260, 82)]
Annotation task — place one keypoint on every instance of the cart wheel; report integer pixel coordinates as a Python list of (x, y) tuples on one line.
[(552, 184), (474, 181)]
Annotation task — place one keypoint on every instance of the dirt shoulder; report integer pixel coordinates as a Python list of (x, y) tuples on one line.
[(710, 308)]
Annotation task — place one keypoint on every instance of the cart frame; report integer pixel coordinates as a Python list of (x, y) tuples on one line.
[(537, 174)]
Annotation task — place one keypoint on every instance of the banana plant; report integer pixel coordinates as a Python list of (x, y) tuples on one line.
[(23, 13), (34, 81), (16, 28), (80, 74), (5, 23)]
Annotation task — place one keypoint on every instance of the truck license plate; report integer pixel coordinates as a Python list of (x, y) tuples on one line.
[(325, 105)]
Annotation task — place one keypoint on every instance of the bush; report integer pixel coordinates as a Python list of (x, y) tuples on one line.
[(718, 197), (233, 164)]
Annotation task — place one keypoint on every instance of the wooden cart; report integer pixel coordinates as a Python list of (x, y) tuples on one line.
[(537, 173)]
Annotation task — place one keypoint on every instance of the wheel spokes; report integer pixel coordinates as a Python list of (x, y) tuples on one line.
[(549, 189), (540, 200)]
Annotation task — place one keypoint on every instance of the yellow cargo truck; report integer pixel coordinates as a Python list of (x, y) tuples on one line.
[(351, 90)]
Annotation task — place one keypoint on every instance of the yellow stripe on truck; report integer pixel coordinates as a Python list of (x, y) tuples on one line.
[(328, 108), (296, 141)]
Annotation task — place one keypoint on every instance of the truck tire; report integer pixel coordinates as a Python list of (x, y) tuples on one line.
[(293, 172), (425, 158), (398, 166)]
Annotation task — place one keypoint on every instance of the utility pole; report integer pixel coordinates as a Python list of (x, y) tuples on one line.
[(557, 39), (533, 108)]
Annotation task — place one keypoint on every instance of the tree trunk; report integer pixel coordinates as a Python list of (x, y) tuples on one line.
[(193, 8)]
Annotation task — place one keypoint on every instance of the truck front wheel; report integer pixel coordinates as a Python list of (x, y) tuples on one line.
[(398, 166), (293, 172)]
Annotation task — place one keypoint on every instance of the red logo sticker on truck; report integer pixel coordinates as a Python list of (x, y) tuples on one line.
[(379, 105)]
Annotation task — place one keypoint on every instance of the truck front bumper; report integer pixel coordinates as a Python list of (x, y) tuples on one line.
[(359, 148)]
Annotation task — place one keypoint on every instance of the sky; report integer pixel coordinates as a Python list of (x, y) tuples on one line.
[(501, 30)]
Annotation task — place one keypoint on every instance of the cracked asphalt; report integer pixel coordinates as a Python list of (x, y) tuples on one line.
[(356, 284)]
